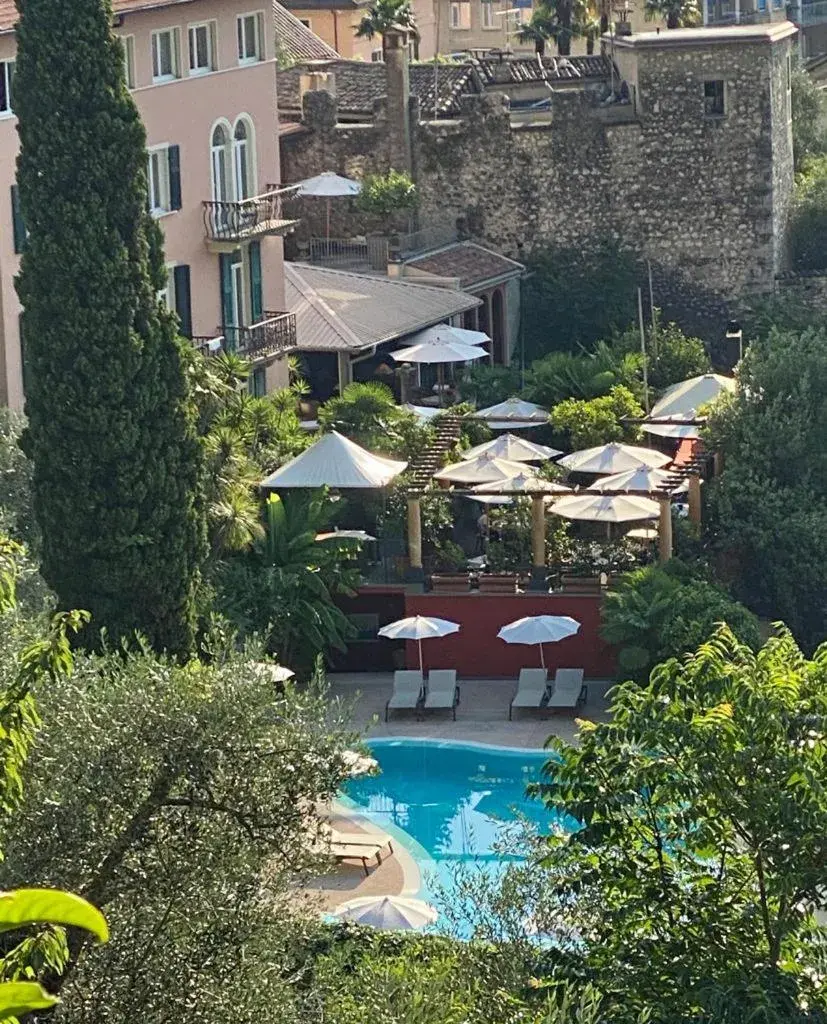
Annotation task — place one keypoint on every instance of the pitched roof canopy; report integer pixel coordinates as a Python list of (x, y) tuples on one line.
[(335, 461)]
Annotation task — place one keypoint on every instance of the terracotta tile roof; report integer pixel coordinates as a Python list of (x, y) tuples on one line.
[(295, 42), (359, 84), (471, 264)]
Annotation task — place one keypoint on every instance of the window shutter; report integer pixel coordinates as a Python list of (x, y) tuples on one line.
[(256, 299), (225, 263), (18, 227), (183, 301), (174, 156)]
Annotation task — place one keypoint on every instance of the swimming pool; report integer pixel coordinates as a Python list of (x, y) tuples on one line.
[(453, 803)]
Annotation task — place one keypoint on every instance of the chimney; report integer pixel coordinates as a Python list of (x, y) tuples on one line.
[(397, 88)]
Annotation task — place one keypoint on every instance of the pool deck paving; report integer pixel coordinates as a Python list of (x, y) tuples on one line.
[(482, 717)]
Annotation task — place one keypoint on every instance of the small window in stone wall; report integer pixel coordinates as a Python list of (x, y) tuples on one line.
[(714, 98)]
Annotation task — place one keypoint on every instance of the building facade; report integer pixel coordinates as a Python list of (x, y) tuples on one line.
[(203, 75), (335, 22)]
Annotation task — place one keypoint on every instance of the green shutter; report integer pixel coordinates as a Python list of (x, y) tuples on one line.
[(183, 300), (174, 157), (18, 227), (225, 264), (257, 383), (257, 301)]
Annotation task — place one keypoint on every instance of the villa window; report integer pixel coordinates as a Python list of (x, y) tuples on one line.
[(166, 64), (202, 48), (243, 166), (6, 77), (714, 98), (129, 60), (250, 38), (487, 17), (164, 179), (460, 14)]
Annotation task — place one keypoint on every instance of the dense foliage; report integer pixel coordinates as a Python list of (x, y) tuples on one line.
[(384, 15), (809, 118), (584, 423), (386, 196), (767, 517), (808, 218), (111, 424), (664, 611), (693, 879)]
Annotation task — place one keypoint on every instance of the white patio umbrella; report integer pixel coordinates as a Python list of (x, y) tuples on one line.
[(389, 912), (438, 345), (328, 185), (674, 431), (606, 508), (489, 499), (419, 628), (524, 483), (512, 414), (682, 400), (278, 673), (539, 630), (516, 449), (613, 458), (468, 337), (643, 533), (644, 478), (482, 470), (362, 535), (335, 461), (422, 412)]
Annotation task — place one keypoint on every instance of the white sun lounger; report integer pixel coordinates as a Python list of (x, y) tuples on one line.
[(380, 839), (442, 691), (407, 691), (364, 853), (568, 688), (532, 689)]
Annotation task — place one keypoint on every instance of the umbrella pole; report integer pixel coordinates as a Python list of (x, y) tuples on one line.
[(328, 219), (542, 657), (440, 377), (420, 656)]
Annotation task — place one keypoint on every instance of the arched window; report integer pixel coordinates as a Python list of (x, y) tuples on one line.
[(243, 160), (219, 147)]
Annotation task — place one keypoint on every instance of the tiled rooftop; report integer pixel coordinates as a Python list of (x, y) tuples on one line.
[(296, 42), (470, 263)]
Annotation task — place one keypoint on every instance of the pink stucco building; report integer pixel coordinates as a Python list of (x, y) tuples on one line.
[(203, 75)]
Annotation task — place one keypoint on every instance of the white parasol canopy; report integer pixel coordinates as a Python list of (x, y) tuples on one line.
[(278, 673), (524, 483), (516, 449), (482, 470), (606, 508), (681, 401), (329, 185), (642, 479), (362, 535), (422, 412), (439, 348), (675, 431), (419, 628), (539, 630), (643, 533), (613, 458), (335, 461), (512, 414), (470, 337), (389, 912)]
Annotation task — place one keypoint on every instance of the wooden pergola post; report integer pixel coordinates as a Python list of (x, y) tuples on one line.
[(415, 572), (665, 530), (539, 572), (694, 498)]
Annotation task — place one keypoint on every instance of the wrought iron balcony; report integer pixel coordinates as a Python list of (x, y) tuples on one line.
[(273, 335), (235, 221)]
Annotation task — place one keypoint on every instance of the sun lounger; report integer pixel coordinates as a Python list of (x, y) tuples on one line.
[(532, 689), (568, 688), (380, 839), (407, 691), (442, 691), (364, 853)]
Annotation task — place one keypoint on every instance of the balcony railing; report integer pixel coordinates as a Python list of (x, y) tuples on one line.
[(229, 220), (275, 334), (208, 344)]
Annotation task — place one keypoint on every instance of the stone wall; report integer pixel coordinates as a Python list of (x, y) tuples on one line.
[(704, 198)]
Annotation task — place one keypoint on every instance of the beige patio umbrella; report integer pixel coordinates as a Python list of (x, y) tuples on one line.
[(482, 470), (613, 458), (335, 461), (524, 483), (513, 448), (681, 401), (674, 431), (642, 479), (606, 508), (512, 414)]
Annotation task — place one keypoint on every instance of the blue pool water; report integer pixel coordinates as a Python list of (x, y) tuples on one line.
[(452, 802)]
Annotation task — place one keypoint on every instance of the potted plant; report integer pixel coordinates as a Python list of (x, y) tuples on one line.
[(386, 197)]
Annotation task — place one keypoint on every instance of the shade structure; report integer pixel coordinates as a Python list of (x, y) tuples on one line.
[(675, 431), (523, 483), (613, 458), (512, 414), (419, 628), (482, 470), (422, 412), (643, 533), (489, 499), (513, 448), (470, 337), (606, 508), (362, 535), (537, 630), (643, 479), (335, 461), (388, 912), (329, 185), (277, 673), (438, 349), (682, 401)]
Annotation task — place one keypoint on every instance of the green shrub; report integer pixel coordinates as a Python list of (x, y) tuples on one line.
[(488, 385), (808, 219), (598, 420)]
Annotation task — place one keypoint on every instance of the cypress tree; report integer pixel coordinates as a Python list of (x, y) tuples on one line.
[(111, 426)]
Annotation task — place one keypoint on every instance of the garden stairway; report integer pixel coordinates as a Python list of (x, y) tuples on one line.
[(446, 435)]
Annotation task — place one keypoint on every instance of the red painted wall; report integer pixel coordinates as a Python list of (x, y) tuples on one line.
[(477, 651)]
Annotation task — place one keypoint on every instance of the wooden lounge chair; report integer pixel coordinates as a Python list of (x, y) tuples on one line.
[(532, 690), (442, 691), (362, 852), (407, 691), (498, 583), (568, 689), (379, 839)]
